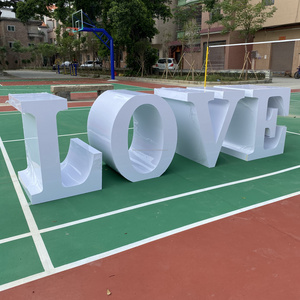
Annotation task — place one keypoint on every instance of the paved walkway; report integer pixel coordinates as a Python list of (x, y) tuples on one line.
[(229, 232), (33, 74)]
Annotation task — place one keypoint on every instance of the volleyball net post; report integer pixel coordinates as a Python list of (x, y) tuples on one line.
[(206, 63)]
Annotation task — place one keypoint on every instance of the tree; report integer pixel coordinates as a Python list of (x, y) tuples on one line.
[(31, 9), (142, 47), (66, 47), (245, 17), (127, 21), (214, 9), (47, 52), (3, 52), (8, 3), (18, 49), (132, 21), (185, 18)]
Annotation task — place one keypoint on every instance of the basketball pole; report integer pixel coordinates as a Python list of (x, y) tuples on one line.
[(109, 43)]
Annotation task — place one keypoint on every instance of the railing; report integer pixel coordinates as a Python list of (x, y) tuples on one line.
[(184, 2), (35, 34), (180, 34)]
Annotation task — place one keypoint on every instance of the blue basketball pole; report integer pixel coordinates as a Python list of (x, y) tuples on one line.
[(110, 46)]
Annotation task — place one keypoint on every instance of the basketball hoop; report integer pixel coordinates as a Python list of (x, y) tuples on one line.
[(72, 30)]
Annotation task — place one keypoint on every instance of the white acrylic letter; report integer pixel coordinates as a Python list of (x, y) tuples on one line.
[(253, 132), (203, 117), (154, 136), (45, 179)]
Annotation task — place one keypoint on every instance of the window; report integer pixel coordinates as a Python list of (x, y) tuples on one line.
[(10, 44), (215, 15), (268, 2), (121, 55), (180, 26), (199, 16), (10, 28)]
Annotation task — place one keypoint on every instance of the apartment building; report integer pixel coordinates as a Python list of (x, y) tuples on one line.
[(281, 57), (12, 30), (193, 55), (167, 34)]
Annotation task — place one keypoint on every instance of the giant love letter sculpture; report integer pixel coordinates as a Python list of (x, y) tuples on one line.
[(195, 122)]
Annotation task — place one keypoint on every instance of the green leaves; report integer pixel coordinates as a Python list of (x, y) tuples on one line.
[(31, 9), (244, 16)]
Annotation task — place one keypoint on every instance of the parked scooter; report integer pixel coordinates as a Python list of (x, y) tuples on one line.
[(297, 74)]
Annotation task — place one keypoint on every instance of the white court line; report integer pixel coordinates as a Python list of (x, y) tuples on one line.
[(136, 244), (82, 133), (15, 238), (77, 108), (9, 114), (295, 133), (129, 208), (36, 236), (69, 109), (122, 210), (140, 243), (61, 135), (171, 232)]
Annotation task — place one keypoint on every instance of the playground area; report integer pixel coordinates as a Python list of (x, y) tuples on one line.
[(228, 232)]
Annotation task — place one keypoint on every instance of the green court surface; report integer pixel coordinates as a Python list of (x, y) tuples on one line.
[(24, 89), (295, 107), (87, 227)]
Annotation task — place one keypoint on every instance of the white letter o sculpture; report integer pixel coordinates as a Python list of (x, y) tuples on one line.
[(154, 133)]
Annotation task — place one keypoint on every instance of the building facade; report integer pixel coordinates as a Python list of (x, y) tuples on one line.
[(191, 52), (280, 57), (12, 30), (174, 40), (167, 34)]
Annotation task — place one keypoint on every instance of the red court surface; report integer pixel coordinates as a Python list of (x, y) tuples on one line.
[(248, 255), (252, 255)]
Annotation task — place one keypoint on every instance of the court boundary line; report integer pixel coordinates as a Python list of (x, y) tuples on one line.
[(165, 199), (36, 233), (291, 132), (153, 202), (60, 135), (15, 238), (13, 112), (149, 203), (33, 228), (9, 113), (154, 238)]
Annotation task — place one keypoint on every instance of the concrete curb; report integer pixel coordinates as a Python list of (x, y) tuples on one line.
[(187, 82)]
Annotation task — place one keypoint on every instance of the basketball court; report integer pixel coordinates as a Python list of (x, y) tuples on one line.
[(228, 232)]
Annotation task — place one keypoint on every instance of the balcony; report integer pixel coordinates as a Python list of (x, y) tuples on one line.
[(34, 34), (186, 34), (184, 2), (180, 35)]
